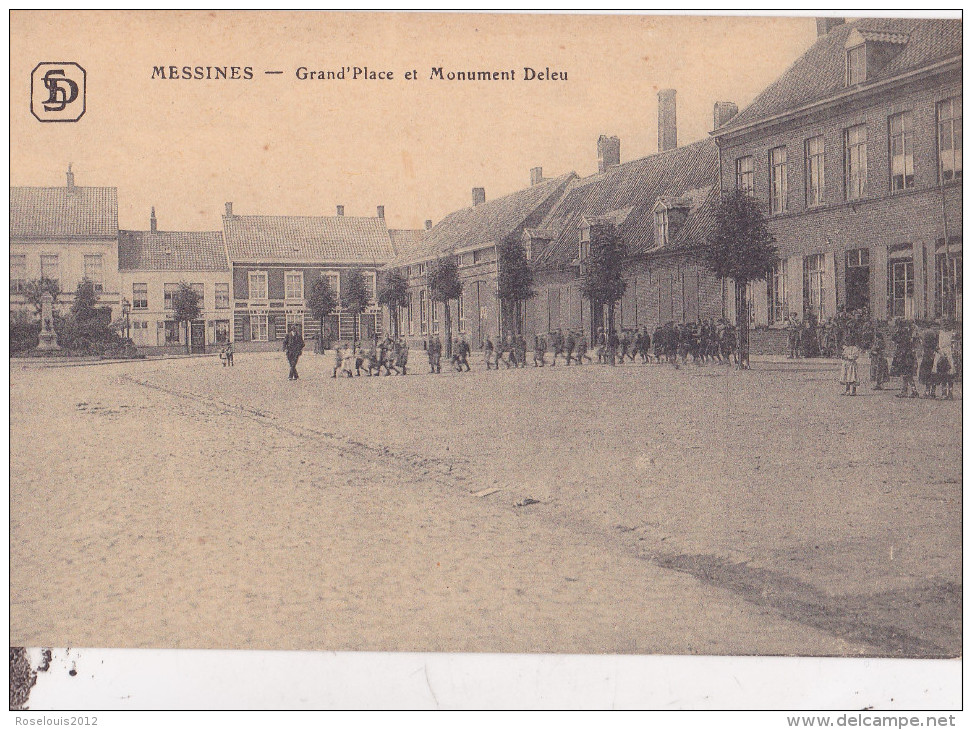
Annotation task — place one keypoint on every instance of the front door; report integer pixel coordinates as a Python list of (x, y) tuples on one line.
[(197, 336)]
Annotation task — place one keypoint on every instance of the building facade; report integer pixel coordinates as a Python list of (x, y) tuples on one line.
[(855, 154), (152, 266), (275, 261), (65, 234)]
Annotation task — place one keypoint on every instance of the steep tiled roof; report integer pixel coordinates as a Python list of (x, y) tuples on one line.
[(488, 223), (820, 72), (63, 212), (626, 195), (317, 239), (171, 251), (405, 240)]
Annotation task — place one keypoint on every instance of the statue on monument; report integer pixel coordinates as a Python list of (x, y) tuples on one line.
[(48, 338)]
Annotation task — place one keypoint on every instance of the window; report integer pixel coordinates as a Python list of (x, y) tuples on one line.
[(661, 227), (222, 331), (903, 289), (776, 294), (421, 269), (585, 243), (334, 281), (140, 296), (462, 315), (778, 180), (172, 331), (424, 311), (433, 305), (94, 271), (50, 268), (483, 255), (950, 139), (168, 291), (295, 319), (294, 285), (201, 293), (258, 327), (459, 262), (411, 321), (901, 142), (744, 175), (814, 284), (222, 295), (258, 285), (814, 149), (371, 284), (948, 285), (856, 65), (855, 162), (18, 273)]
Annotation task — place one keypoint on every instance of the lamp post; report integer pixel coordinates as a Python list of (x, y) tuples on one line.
[(126, 309)]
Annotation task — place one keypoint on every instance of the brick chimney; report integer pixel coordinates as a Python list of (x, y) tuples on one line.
[(722, 112), (667, 125), (536, 176), (153, 223), (340, 210), (381, 211), (478, 196), (70, 177), (229, 210), (825, 25), (608, 152), (428, 224)]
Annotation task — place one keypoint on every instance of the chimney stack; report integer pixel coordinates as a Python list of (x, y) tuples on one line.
[(153, 224), (229, 210), (478, 196), (825, 25), (70, 177), (667, 125), (340, 210), (381, 211), (536, 176), (722, 112), (608, 152), (428, 224)]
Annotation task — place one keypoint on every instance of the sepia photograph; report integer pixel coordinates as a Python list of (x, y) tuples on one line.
[(483, 333)]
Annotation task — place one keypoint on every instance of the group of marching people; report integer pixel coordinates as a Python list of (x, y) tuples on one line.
[(389, 354), (932, 358)]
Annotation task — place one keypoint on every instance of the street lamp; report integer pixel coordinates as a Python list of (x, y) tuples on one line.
[(126, 309)]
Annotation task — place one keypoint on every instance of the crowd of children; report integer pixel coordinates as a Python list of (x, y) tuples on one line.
[(389, 354)]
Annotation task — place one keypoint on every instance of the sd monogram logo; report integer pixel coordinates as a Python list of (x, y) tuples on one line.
[(57, 91)]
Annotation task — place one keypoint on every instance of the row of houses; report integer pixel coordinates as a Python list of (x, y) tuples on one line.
[(855, 154)]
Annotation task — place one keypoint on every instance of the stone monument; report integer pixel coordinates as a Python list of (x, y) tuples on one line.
[(48, 338)]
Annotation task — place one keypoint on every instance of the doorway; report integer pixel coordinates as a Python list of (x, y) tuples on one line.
[(197, 336)]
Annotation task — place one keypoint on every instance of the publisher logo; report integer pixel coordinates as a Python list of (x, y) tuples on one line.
[(57, 92)]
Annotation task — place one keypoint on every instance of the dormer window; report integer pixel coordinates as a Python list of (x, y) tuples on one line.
[(661, 227), (585, 243), (856, 65)]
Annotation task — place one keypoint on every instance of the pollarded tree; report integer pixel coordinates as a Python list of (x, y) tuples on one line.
[(321, 301), (355, 296), (444, 286), (393, 294), (186, 306), (515, 284), (603, 284), (740, 248)]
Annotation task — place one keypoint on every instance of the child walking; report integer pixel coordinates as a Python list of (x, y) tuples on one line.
[(848, 372)]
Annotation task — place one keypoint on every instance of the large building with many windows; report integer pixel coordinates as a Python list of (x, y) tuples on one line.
[(152, 265), (275, 260), (65, 234), (855, 153)]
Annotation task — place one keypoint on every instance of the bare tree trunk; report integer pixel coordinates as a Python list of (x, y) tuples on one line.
[(448, 330), (742, 324)]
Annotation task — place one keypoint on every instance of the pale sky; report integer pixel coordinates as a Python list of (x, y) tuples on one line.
[(277, 145)]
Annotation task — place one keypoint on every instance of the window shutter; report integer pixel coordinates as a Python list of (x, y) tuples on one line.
[(760, 308), (794, 285), (830, 285)]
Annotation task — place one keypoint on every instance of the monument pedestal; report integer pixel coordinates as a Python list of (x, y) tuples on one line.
[(47, 340)]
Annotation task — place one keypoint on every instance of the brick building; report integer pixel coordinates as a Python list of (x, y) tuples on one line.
[(152, 264), (473, 236), (275, 259), (856, 156), (65, 234)]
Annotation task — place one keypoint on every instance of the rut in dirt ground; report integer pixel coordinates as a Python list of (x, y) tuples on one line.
[(867, 619)]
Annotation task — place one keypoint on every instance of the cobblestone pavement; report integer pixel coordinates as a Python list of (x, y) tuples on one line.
[(706, 510)]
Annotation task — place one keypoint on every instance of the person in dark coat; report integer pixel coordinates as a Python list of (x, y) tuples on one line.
[(905, 360), (293, 345)]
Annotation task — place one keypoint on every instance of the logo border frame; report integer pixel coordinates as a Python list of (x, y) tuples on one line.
[(84, 92)]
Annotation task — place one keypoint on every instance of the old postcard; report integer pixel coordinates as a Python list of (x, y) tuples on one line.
[(532, 334)]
